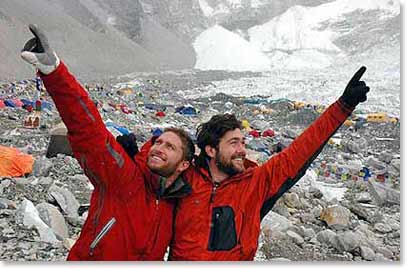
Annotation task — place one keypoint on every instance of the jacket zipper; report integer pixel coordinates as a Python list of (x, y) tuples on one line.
[(101, 234), (156, 218), (214, 188)]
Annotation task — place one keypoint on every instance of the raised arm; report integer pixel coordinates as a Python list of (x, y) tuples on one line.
[(103, 159), (282, 171)]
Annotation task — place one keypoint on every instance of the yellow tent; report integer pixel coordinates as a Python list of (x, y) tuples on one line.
[(377, 117), (125, 91)]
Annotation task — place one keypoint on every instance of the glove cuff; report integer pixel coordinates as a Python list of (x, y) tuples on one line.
[(47, 69)]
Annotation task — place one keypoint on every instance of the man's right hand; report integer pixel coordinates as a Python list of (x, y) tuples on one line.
[(37, 51)]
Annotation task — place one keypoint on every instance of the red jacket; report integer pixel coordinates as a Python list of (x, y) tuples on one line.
[(222, 222), (128, 218)]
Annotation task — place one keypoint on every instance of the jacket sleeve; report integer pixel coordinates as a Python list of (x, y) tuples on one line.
[(283, 170), (101, 157)]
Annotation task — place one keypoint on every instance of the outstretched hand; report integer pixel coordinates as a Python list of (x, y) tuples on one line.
[(37, 51), (356, 90)]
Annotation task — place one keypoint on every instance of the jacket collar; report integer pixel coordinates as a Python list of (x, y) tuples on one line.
[(179, 188)]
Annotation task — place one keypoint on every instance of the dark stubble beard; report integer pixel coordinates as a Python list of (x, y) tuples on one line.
[(224, 166)]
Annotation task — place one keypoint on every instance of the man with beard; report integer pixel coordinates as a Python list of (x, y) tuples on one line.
[(131, 208), (230, 196)]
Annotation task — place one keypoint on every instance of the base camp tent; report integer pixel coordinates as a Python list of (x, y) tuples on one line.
[(14, 163)]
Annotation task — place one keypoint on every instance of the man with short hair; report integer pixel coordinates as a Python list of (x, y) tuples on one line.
[(230, 196), (131, 208)]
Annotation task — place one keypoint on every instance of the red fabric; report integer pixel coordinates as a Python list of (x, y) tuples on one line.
[(2, 105), (254, 133), (124, 190), (18, 102), (268, 133), (246, 193), (160, 114)]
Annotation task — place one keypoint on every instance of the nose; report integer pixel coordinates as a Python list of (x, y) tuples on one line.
[(241, 148)]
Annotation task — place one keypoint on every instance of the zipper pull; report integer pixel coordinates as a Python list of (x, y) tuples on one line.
[(215, 186)]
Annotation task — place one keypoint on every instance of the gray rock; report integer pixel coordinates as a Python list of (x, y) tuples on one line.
[(382, 227), (337, 217), (326, 236), (54, 219), (42, 167), (394, 224), (65, 199), (347, 241), (375, 163), (316, 211), (395, 163), (387, 253), (382, 194), (295, 237), (380, 257), (360, 211), (315, 192), (292, 200), (275, 222), (367, 253), (385, 157), (363, 197), (28, 215), (309, 233)]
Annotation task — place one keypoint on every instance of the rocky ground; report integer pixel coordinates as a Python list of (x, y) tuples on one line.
[(346, 208)]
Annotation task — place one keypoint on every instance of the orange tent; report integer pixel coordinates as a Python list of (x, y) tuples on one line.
[(14, 163)]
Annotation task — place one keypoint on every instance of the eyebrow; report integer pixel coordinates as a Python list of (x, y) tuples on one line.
[(236, 139)]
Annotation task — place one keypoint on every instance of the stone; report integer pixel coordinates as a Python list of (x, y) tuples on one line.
[(383, 195), (387, 253), (295, 237), (275, 222), (309, 233), (29, 216), (347, 241), (363, 197), (337, 217), (42, 167), (382, 228), (53, 218), (326, 236), (367, 253), (65, 199), (292, 200)]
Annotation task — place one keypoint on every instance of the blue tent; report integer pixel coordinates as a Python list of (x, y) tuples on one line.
[(46, 105), (157, 132), (28, 102), (186, 110), (10, 103)]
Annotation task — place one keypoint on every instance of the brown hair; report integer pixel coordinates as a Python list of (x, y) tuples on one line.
[(188, 146)]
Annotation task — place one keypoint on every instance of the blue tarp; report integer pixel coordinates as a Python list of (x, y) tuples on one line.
[(28, 102), (157, 132), (186, 110), (46, 105), (10, 103), (122, 130)]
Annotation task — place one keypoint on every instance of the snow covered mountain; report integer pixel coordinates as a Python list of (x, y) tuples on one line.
[(309, 37), (102, 38)]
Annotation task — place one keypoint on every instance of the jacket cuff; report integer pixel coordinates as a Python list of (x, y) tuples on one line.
[(345, 107), (55, 75)]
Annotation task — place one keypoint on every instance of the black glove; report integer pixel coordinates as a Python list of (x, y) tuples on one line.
[(128, 142), (356, 90), (37, 51)]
